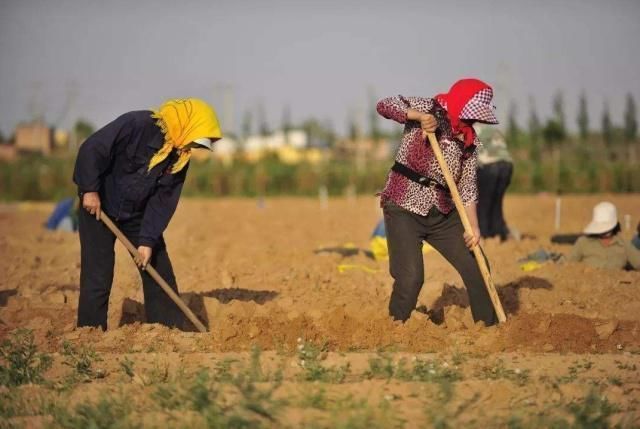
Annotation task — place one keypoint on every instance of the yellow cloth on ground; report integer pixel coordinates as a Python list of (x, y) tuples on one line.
[(182, 121), (530, 266), (378, 246)]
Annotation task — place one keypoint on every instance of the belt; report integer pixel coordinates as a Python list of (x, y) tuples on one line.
[(414, 176)]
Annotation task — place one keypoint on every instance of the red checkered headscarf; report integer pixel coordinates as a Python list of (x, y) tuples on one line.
[(468, 99)]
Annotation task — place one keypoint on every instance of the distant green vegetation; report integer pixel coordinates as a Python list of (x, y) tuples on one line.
[(39, 178)]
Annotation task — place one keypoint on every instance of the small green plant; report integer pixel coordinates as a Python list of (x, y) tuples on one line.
[(14, 403), (255, 399), (499, 371), (576, 369), (197, 394), (309, 360), (11, 404), (359, 414), (382, 366), (222, 371), (616, 381), (156, 375), (107, 412), (251, 405), (81, 360), (431, 371), (442, 416), (315, 399), (593, 412), (20, 361), (626, 366), (458, 358), (127, 365)]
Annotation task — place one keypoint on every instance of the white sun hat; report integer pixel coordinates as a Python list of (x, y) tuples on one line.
[(605, 218)]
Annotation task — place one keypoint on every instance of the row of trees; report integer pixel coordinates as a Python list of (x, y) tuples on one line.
[(549, 133), (555, 131)]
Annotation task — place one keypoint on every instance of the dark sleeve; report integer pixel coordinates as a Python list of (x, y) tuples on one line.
[(161, 207), (96, 153)]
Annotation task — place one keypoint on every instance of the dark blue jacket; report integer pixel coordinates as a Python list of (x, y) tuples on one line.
[(114, 162)]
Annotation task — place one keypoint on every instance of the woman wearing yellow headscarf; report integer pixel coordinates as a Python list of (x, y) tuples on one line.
[(133, 169)]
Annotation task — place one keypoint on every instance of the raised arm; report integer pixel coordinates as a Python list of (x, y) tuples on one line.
[(401, 109)]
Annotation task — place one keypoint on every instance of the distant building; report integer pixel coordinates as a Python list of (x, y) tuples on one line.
[(364, 150), (296, 139), (223, 150), (8, 152), (34, 137), (291, 148)]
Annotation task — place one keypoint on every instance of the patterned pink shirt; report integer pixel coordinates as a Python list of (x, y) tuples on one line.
[(415, 153)]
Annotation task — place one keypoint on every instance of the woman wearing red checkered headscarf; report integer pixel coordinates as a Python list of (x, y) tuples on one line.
[(416, 202)]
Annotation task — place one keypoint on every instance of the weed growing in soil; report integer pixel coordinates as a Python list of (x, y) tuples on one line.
[(426, 371), (616, 381), (351, 413), (382, 366), (20, 361), (253, 398), (127, 365), (253, 404), (309, 359), (440, 415), (222, 371), (499, 371), (626, 366), (108, 412), (156, 375), (14, 403), (591, 412), (81, 360), (574, 370), (315, 399), (431, 371)]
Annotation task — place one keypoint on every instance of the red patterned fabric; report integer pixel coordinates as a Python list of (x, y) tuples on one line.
[(416, 154), (468, 99)]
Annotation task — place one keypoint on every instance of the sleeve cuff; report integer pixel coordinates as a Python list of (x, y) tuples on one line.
[(146, 241)]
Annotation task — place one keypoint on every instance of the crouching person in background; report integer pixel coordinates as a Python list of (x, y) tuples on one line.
[(603, 246)]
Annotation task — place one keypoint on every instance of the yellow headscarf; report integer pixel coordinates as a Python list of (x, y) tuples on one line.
[(182, 121)]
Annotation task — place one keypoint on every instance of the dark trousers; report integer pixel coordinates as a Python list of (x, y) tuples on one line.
[(493, 181), (96, 274), (405, 233)]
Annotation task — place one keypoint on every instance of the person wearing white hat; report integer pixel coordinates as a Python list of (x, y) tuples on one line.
[(602, 246)]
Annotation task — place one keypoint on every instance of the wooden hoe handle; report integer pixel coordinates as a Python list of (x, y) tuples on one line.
[(154, 274), (477, 251)]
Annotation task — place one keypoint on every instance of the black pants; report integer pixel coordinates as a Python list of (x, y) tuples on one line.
[(493, 181), (405, 233), (96, 274)]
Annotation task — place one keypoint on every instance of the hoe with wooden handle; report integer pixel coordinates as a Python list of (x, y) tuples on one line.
[(477, 252), (154, 274)]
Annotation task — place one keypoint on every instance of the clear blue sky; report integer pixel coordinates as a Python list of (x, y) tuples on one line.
[(318, 57)]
